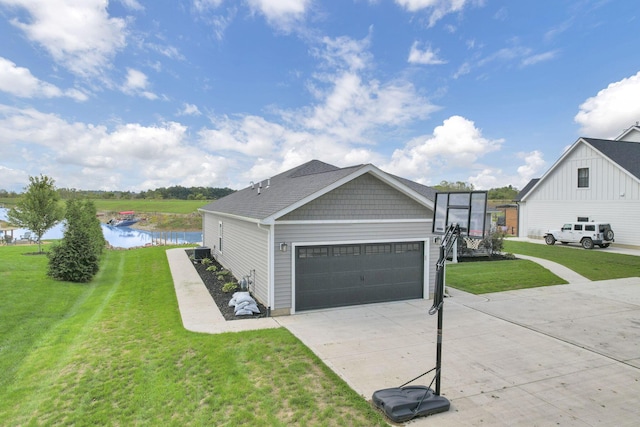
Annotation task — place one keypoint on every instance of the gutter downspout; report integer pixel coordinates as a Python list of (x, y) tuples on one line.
[(270, 266)]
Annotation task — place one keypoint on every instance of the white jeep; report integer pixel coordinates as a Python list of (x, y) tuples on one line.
[(585, 233)]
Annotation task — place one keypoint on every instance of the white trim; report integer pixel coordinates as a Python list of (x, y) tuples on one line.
[(425, 268)]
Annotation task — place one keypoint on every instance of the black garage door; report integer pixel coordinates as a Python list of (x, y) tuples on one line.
[(334, 276)]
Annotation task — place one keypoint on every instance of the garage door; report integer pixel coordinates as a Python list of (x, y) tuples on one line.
[(340, 275)]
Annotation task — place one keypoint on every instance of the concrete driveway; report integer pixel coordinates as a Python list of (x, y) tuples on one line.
[(565, 355)]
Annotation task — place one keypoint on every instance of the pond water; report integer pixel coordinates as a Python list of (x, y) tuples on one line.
[(122, 237)]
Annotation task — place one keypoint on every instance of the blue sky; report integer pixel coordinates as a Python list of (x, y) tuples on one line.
[(135, 95)]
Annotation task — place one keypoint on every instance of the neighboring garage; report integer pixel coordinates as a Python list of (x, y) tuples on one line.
[(341, 275)]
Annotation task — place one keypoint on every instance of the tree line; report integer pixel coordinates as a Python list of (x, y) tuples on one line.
[(502, 193), (174, 192)]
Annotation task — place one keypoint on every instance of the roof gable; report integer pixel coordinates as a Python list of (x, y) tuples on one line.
[(287, 191), (624, 154), (631, 134)]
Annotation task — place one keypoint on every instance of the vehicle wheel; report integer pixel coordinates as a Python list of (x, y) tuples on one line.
[(609, 235), (549, 239), (587, 243), (605, 245)]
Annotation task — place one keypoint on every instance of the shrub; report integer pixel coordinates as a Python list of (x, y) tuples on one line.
[(213, 268), (206, 261), (222, 275), (229, 287), (495, 243)]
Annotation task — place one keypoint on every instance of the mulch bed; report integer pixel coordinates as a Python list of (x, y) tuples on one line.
[(221, 298)]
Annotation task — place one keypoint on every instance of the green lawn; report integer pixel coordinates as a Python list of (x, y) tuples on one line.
[(150, 205), (114, 352), (495, 276), (594, 264), (172, 206)]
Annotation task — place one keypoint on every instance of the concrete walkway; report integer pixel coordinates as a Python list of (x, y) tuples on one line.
[(559, 355)]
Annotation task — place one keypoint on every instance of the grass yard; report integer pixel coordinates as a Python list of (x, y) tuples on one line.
[(150, 205), (594, 264), (114, 352), (496, 276)]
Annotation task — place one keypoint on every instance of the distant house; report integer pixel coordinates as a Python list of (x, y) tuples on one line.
[(320, 236), (594, 180)]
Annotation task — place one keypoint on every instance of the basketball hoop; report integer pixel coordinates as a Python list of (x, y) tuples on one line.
[(472, 243)]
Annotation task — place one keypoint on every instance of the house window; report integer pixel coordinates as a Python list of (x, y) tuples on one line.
[(220, 236), (583, 178), (583, 219)]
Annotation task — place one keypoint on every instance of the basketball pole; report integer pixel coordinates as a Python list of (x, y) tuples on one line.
[(449, 241)]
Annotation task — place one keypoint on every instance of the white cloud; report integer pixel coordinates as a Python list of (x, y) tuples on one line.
[(540, 57), (136, 83), (281, 14), (612, 110), (20, 82), (202, 5), (189, 110), (457, 143), (425, 57), (128, 157), (132, 4), (533, 167), (438, 8), (79, 35)]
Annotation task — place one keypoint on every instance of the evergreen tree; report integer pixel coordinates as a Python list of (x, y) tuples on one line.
[(76, 258)]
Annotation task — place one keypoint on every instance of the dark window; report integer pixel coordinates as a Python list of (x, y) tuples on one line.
[(407, 247), (583, 178), (377, 249), (589, 228), (220, 236), (583, 219), (577, 227), (313, 252), (346, 250)]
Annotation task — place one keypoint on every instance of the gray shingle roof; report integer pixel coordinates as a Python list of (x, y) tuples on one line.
[(626, 154), (291, 187), (526, 189)]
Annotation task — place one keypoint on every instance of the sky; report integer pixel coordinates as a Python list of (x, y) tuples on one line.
[(134, 95)]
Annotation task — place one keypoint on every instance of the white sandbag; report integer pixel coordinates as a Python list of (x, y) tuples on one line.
[(238, 297), (244, 312), (253, 307), (241, 305), (242, 296)]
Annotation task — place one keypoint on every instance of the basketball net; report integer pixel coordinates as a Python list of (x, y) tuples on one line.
[(472, 243)]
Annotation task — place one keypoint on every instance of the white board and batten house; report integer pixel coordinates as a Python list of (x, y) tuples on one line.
[(594, 180), (319, 236)]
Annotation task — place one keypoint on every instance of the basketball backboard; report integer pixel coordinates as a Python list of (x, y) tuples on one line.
[(467, 209)]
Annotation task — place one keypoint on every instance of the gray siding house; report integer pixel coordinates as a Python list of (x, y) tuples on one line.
[(320, 236), (594, 180)]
